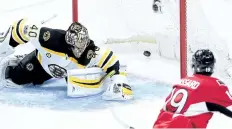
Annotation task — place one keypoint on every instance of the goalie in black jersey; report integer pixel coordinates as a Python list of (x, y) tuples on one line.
[(87, 68)]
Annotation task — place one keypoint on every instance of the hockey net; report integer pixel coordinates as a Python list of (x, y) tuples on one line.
[(176, 32), (130, 23), (207, 26)]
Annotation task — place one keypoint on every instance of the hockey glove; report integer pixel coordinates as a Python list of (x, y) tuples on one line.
[(118, 89), (5, 63)]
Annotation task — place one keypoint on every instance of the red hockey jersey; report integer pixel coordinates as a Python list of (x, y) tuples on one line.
[(191, 102)]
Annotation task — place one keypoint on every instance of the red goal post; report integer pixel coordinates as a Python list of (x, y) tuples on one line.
[(183, 39), (75, 10), (203, 24)]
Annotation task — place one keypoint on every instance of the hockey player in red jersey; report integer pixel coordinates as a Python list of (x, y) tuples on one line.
[(192, 102)]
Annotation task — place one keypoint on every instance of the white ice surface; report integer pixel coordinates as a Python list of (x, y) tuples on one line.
[(49, 108)]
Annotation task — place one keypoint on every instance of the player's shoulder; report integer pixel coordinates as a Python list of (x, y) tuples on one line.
[(211, 80), (53, 39), (50, 34), (217, 80)]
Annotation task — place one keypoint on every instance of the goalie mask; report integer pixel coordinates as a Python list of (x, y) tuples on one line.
[(77, 38)]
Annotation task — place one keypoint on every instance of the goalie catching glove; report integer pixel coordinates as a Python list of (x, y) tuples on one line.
[(118, 89), (5, 64)]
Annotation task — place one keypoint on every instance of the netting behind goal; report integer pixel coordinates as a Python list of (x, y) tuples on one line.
[(133, 23), (202, 24), (208, 27)]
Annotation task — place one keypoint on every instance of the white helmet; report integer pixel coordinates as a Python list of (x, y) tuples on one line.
[(5, 48)]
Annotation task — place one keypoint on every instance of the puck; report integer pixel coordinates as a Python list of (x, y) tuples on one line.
[(147, 53)]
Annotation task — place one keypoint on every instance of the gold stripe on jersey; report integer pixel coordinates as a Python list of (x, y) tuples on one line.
[(89, 83), (15, 35), (64, 55), (21, 29), (109, 63), (103, 58), (39, 57), (17, 32)]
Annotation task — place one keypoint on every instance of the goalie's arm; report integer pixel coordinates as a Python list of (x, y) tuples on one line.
[(18, 33), (24, 31), (107, 61)]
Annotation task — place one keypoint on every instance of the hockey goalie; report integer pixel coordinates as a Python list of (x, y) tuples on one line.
[(71, 55)]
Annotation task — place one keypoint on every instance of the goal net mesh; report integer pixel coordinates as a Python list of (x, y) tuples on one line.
[(135, 23), (209, 27)]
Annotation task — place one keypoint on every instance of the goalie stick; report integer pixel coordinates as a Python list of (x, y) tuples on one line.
[(49, 19)]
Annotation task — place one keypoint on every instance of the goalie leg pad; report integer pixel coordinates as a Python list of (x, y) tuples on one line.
[(84, 82)]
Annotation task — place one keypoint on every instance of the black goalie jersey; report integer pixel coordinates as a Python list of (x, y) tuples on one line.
[(53, 53)]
